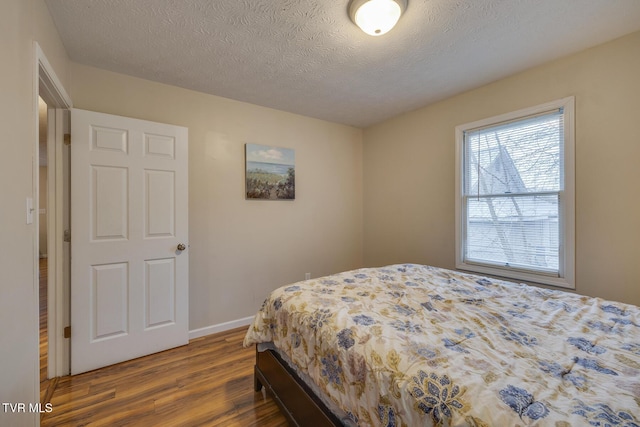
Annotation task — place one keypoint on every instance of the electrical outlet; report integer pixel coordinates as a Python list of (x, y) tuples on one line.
[(307, 276)]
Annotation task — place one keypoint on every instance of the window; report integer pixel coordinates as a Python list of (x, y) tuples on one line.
[(515, 195)]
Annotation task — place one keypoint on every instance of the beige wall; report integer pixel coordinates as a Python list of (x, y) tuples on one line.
[(21, 22), (42, 231), (42, 137), (409, 167), (240, 250)]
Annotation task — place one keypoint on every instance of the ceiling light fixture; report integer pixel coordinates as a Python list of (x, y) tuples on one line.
[(376, 17)]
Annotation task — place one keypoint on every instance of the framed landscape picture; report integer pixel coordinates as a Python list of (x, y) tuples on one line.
[(270, 172)]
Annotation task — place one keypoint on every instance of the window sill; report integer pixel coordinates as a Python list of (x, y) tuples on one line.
[(515, 275)]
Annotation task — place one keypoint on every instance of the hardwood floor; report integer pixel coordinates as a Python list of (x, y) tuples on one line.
[(44, 339), (206, 383)]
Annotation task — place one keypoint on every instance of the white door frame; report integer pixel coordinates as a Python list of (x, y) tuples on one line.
[(48, 86)]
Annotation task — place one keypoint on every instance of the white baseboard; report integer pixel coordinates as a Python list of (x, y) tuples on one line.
[(220, 327)]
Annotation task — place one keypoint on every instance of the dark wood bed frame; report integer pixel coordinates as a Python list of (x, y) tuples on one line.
[(296, 400)]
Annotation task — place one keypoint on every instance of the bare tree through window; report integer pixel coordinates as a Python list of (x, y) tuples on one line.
[(512, 183)]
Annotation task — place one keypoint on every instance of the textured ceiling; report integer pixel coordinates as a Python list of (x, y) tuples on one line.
[(307, 57)]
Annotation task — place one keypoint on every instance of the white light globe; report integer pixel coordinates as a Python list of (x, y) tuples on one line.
[(377, 17)]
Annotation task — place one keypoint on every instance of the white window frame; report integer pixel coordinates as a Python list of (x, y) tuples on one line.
[(566, 276)]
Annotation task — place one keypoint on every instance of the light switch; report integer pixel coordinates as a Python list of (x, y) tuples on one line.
[(30, 210)]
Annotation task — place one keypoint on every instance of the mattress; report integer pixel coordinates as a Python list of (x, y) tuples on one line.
[(412, 345)]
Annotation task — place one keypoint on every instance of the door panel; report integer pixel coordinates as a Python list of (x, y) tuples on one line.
[(109, 290), (160, 288), (129, 283), (109, 200), (159, 203)]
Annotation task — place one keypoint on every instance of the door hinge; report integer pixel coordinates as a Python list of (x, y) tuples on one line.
[(67, 139), (67, 236), (67, 332)]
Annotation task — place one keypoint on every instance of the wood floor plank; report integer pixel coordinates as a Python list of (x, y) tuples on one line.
[(45, 389), (208, 382)]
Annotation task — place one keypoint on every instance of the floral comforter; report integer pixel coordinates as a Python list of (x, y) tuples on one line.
[(413, 345)]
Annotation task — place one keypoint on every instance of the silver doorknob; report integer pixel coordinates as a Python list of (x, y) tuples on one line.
[(182, 246)]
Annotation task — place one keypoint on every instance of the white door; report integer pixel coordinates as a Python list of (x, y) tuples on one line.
[(129, 269)]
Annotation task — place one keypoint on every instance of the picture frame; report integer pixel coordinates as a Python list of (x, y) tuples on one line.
[(269, 172)]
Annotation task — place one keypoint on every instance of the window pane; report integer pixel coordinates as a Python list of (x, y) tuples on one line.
[(518, 231), (515, 157)]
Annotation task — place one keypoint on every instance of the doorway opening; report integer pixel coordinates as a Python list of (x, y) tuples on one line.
[(51, 179), (43, 250)]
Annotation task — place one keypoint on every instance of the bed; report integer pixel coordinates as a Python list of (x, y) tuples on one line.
[(415, 345)]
